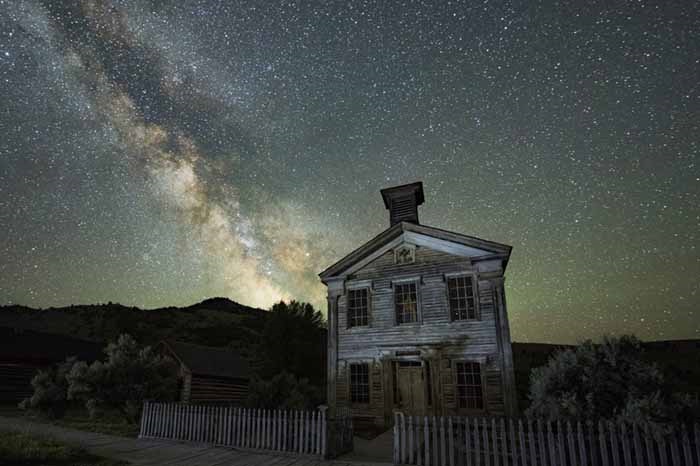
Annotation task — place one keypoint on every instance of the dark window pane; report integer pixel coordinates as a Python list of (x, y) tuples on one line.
[(359, 383), (461, 294), (358, 307), (469, 389), (406, 302)]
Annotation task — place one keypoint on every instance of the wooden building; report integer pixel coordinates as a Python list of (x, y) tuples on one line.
[(23, 352), (417, 322), (209, 375)]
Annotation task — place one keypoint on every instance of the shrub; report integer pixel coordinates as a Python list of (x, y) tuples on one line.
[(283, 391), (50, 391), (129, 376), (608, 381)]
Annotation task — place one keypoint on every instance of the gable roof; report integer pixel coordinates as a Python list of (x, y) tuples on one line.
[(207, 360), (31, 346), (482, 249)]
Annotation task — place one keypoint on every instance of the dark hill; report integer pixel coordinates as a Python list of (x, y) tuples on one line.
[(213, 322)]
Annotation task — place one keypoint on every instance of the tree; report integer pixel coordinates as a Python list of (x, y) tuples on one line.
[(130, 375), (609, 381), (292, 341), (50, 395)]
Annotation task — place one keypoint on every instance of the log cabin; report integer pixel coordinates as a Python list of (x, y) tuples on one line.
[(209, 375), (417, 322)]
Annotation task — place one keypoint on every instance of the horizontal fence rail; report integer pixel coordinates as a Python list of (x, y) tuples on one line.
[(492, 441), (302, 432)]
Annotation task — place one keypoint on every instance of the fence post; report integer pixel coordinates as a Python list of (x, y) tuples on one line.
[(477, 443), (436, 447)]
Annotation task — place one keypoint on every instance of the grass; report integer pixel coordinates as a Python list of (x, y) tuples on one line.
[(23, 449), (109, 423)]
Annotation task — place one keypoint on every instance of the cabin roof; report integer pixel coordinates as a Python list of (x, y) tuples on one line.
[(207, 360), (495, 250), (31, 346)]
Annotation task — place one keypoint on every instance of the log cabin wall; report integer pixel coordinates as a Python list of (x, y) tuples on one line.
[(218, 390), (435, 340)]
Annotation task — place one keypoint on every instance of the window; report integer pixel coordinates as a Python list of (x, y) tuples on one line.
[(358, 307), (406, 302), (469, 391), (359, 383), (461, 296)]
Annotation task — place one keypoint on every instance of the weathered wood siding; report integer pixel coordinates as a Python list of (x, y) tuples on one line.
[(435, 336)]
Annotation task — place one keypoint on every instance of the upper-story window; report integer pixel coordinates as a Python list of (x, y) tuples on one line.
[(358, 307), (462, 297), (406, 302)]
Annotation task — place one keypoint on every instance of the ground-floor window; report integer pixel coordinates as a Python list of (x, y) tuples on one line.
[(470, 394), (359, 383)]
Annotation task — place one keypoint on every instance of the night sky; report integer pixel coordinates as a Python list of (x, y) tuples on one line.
[(157, 153)]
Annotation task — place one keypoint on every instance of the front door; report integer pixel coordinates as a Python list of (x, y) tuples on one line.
[(411, 389)]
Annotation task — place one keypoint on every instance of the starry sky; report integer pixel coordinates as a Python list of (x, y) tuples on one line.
[(160, 152)]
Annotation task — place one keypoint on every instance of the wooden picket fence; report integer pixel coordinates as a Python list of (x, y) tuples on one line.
[(302, 432), (480, 441)]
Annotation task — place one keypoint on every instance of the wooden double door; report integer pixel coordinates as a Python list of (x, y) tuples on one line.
[(411, 388)]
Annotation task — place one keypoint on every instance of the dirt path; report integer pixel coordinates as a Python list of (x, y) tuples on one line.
[(140, 452)]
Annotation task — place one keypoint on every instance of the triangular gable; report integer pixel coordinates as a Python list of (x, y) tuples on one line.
[(420, 235)]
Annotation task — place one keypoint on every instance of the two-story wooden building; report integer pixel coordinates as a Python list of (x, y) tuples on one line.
[(417, 321)]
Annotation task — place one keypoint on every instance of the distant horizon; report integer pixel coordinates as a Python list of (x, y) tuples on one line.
[(112, 303)]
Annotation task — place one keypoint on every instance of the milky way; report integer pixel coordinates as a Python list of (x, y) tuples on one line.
[(156, 153)]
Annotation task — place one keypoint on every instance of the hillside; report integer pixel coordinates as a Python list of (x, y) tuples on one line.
[(213, 322)]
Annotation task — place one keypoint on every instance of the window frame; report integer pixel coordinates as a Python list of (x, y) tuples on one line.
[(368, 365), (482, 376), (351, 289), (416, 281), (475, 288)]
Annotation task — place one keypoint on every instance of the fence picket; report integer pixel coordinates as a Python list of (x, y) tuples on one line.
[(426, 439), (504, 443), (550, 441), (687, 454), (540, 443), (513, 446), (649, 445), (696, 431), (675, 455), (494, 436), (477, 446), (531, 437), (450, 442), (663, 451), (409, 434), (637, 443), (571, 445), (627, 455), (583, 455), (522, 445), (435, 442), (443, 446), (485, 433), (397, 457), (614, 445)]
